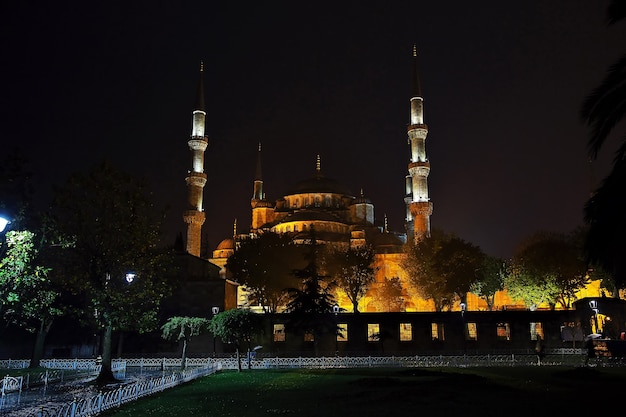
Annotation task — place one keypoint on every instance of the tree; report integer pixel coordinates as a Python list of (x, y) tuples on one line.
[(110, 256), (490, 281), (184, 328), (602, 111), (28, 298), (236, 326), (460, 263), (352, 271), (442, 267), (389, 295), (549, 263), (312, 303), (264, 266)]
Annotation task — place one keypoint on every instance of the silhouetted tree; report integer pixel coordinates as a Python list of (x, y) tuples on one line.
[(491, 280), (352, 270), (311, 304), (265, 265), (112, 228), (442, 267), (603, 110)]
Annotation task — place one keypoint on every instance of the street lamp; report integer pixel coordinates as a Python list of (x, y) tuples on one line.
[(4, 222), (130, 277), (593, 305)]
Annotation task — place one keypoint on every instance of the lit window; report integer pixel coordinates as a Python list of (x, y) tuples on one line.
[(279, 333), (536, 330), (342, 336), (406, 332), (503, 331), (436, 331), (471, 332), (373, 332), (308, 337)]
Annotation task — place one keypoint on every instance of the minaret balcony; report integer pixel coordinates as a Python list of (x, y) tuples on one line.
[(194, 217), (419, 169), (421, 208), (198, 143), (197, 179)]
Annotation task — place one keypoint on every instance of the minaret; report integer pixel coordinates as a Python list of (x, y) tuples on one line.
[(262, 210), (257, 194), (196, 178), (418, 203)]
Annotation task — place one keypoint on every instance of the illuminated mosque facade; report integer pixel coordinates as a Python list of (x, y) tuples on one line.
[(338, 216)]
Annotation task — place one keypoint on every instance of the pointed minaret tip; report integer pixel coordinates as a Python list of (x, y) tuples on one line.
[(200, 92), (259, 146), (318, 165), (414, 50)]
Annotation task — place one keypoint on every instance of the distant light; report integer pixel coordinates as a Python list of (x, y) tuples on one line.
[(130, 277), (3, 223)]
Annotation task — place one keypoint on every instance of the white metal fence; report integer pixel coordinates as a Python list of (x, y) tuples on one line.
[(106, 400)]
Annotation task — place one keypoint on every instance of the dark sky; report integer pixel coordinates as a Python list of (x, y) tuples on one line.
[(502, 82)]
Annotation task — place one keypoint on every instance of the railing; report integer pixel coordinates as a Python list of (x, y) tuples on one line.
[(11, 384), (103, 401)]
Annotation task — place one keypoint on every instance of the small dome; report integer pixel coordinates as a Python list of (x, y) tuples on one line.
[(226, 244)]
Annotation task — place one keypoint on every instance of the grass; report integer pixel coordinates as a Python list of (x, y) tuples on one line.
[(493, 391)]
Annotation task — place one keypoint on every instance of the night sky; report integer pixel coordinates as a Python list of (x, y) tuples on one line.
[(502, 82)]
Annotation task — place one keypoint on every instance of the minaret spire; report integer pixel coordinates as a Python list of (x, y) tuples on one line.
[(419, 206), (196, 179), (258, 180), (262, 210)]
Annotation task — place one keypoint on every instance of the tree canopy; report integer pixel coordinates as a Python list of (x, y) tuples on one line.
[(312, 302), (352, 271), (442, 267), (111, 259), (237, 326), (184, 328), (264, 265), (548, 267)]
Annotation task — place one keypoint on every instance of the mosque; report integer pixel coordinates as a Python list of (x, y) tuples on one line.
[(338, 216)]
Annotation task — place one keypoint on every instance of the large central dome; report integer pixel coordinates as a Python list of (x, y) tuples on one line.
[(318, 183)]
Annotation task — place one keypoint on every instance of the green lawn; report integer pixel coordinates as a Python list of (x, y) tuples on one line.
[(494, 391)]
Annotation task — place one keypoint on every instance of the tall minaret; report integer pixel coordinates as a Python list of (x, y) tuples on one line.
[(419, 206), (196, 178)]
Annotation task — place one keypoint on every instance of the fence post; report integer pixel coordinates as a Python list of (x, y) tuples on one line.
[(73, 408)]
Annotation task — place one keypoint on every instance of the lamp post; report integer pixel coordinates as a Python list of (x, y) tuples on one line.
[(214, 310), (593, 304), (336, 311)]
